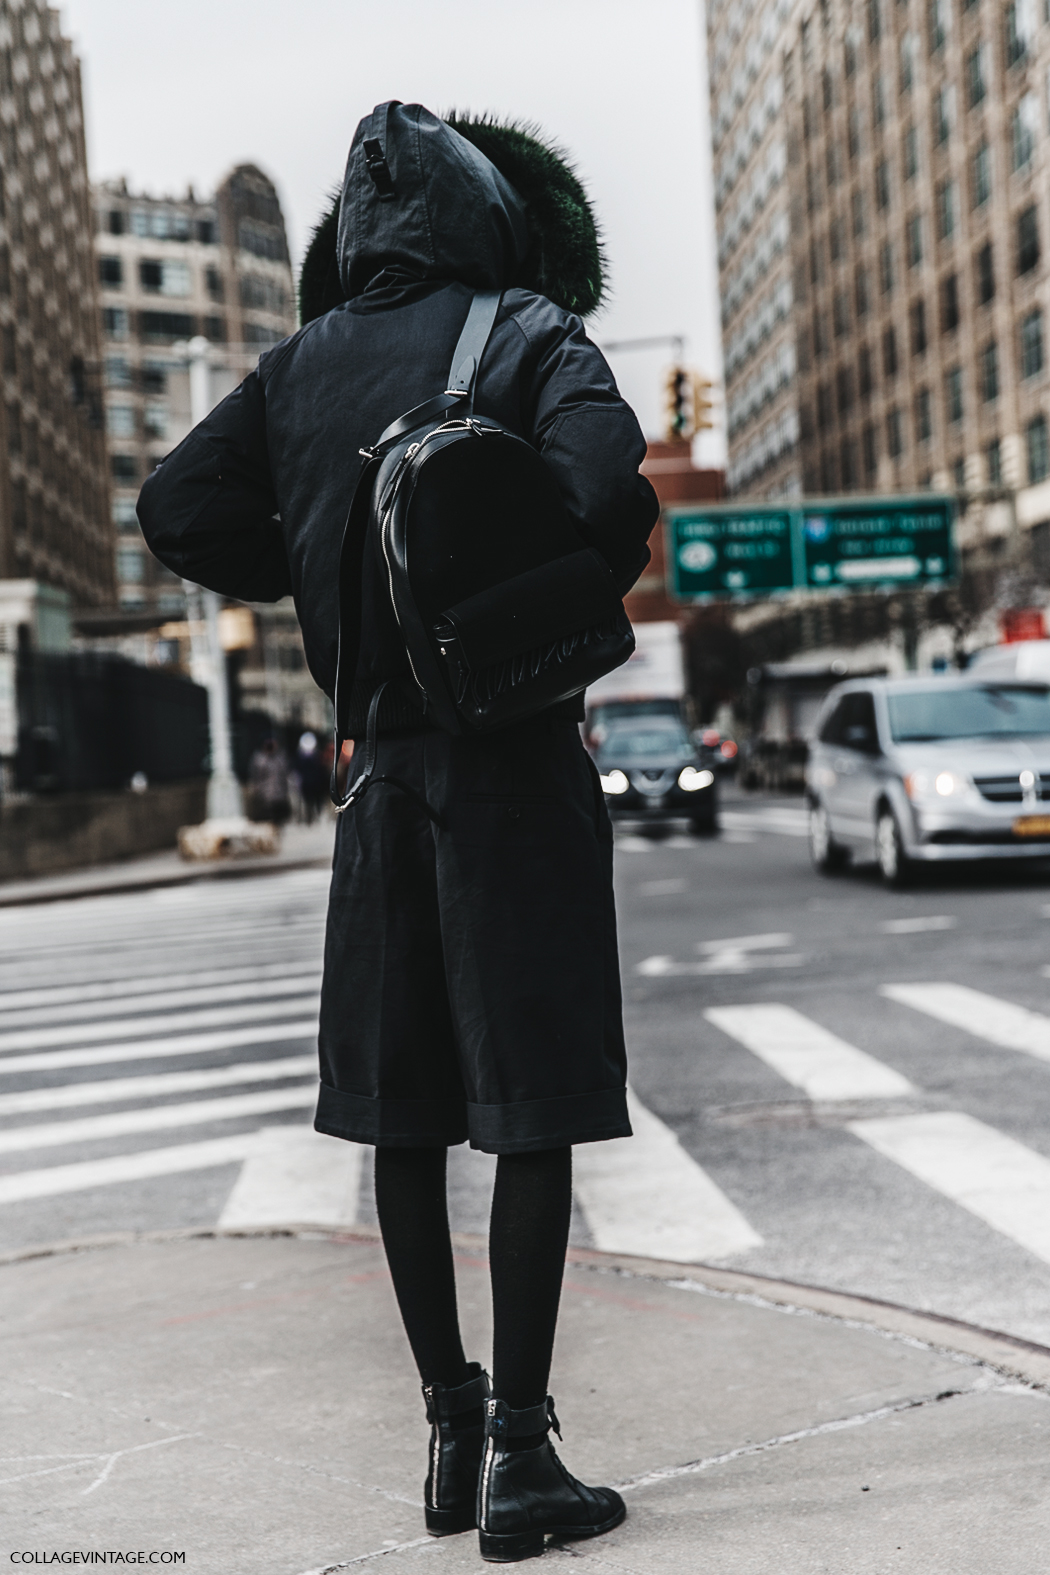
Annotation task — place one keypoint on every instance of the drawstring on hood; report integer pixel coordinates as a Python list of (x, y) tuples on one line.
[(486, 204)]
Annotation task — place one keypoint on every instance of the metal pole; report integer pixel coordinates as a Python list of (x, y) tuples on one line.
[(224, 791)]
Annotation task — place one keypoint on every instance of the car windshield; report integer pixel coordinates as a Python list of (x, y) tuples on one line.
[(646, 743), (983, 711)]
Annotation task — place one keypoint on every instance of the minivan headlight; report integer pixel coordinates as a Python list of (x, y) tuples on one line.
[(932, 786), (692, 780), (615, 782)]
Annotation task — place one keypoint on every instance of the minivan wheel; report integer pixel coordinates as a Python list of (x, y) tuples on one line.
[(828, 857), (896, 868)]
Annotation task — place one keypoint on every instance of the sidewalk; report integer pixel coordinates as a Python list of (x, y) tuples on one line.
[(249, 1400), (302, 847)]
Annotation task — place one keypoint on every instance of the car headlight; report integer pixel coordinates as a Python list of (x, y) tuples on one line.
[(692, 780), (615, 782), (933, 786)]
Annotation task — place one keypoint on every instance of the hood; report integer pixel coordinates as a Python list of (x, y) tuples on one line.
[(467, 199)]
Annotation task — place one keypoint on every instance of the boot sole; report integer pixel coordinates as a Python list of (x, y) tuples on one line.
[(448, 1522), (512, 1546)]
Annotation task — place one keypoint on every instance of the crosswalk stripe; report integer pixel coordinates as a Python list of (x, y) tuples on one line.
[(79, 1177), (808, 1056), (155, 1118), (127, 1027), (1001, 1023), (993, 1176), (296, 1176), (112, 1090), (255, 990), (147, 984), (646, 1196), (145, 1049)]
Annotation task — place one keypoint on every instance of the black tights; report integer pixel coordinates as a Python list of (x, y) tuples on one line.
[(528, 1234)]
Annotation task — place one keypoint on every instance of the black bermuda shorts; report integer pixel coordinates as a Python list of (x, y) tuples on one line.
[(471, 981)]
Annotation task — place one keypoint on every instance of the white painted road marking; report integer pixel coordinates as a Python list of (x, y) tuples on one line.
[(112, 1090), (296, 1176), (646, 1196), (155, 1118), (127, 1027), (82, 1012), (143, 1049), (935, 921), (735, 955), (784, 822), (823, 1066), (56, 1179), (1001, 1023), (1000, 1180), (143, 984)]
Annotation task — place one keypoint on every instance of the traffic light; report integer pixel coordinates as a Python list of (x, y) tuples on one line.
[(676, 403), (703, 403)]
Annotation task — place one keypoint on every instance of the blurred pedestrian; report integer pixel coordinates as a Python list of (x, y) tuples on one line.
[(313, 779), (269, 789), (471, 983)]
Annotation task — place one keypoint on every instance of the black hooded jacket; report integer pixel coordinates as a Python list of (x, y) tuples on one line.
[(252, 504)]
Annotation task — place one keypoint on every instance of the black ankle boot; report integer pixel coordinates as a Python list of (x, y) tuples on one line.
[(451, 1495), (526, 1495)]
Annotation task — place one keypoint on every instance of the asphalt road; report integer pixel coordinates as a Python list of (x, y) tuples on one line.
[(834, 1083)]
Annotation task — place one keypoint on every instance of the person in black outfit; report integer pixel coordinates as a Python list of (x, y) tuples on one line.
[(471, 987)]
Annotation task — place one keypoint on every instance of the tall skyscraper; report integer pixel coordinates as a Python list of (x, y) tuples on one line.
[(170, 269), (55, 525)]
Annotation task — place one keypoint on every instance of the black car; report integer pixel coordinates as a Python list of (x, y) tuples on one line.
[(650, 769)]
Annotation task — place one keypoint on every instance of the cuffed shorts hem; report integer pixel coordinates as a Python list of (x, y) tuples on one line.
[(523, 1127)]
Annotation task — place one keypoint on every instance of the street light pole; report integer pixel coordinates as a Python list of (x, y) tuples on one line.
[(224, 791)]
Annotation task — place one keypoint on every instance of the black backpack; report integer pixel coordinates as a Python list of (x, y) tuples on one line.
[(503, 608)]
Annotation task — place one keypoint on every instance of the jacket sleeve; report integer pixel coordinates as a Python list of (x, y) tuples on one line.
[(208, 510), (591, 439)]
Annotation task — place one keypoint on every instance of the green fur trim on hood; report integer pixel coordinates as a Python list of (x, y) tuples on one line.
[(565, 259)]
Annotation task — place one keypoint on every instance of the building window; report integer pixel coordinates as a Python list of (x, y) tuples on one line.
[(853, 134), (953, 394), (886, 273), (917, 327), (848, 463), (167, 325), (151, 275), (923, 416), (1038, 450), (214, 284), (976, 72), (1032, 344), (867, 444), (124, 516), (118, 372), (820, 334), (889, 353), (823, 406), (911, 153), (110, 273), (115, 221), (1016, 22), (1024, 125), (255, 334), (938, 24), (161, 277), (153, 377), (9, 350), (989, 365), (835, 240), (840, 313), (832, 164), (949, 303), (985, 267), (864, 372), (858, 213), (120, 421), (844, 390), (994, 459), (893, 433), (206, 232), (882, 184), (907, 62), (943, 113), (981, 175), (862, 289), (124, 468), (155, 420), (1027, 240), (130, 564), (114, 322), (215, 329), (874, 21), (878, 101), (914, 240), (947, 209)]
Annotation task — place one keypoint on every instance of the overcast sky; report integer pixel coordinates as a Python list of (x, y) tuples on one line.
[(179, 93)]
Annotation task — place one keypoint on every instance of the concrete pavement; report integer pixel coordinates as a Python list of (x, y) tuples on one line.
[(248, 1400)]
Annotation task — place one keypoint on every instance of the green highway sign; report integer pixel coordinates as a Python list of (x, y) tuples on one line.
[(823, 544)]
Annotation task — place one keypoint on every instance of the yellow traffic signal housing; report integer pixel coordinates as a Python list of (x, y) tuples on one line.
[(703, 403), (688, 403)]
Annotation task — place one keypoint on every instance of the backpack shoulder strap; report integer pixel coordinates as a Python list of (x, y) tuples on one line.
[(466, 358)]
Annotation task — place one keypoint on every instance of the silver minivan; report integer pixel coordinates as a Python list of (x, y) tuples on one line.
[(911, 771)]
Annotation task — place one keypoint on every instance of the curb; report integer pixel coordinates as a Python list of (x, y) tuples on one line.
[(1010, 1355), (232, 871)]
